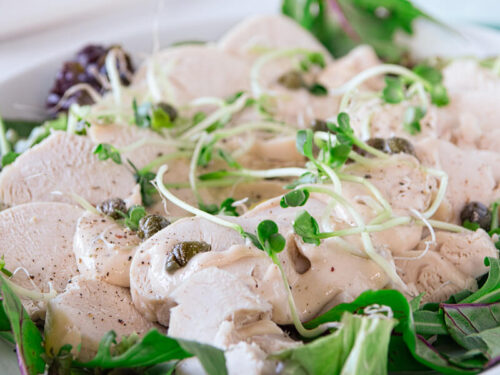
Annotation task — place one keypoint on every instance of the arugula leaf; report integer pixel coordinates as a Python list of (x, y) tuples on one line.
[(27, 337), (155, 348), (490, 291), (393, 92), (9, 158), (360, 346), (105, 151), (412, 117), (307, 228), (343, 24)]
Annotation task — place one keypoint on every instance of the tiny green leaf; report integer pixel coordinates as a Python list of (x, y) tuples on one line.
[(304, 143), (228, 159), (393, 92), (429, 73), (294, 198), (439, 95), (160, 119), (268, 236), (412, 118), (105, 151), (307, 228), (134, 214), (317, 89), (470, 225)]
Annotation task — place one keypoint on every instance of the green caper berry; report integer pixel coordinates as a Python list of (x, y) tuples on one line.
[(398, 145), (379, 143), (151, 224), (169, 110), (292, 80), (182, 253), (112, 208), (478, 213)]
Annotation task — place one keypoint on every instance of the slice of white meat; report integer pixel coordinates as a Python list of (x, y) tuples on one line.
[(342, 70), (104, 249), (85, 311), (36, 241), (451, 264), (211, 297), (151, 284), (473, 175), (194, 71), (267, 32), (140, 145), (313, 284), (470, 120), (61, 165)]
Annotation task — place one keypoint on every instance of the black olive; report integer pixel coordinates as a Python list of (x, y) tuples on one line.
[(292, 80), (476, 212), (169, 110), (84, 68), (182, 252), (398, 145), (112, 208), (151, 224)]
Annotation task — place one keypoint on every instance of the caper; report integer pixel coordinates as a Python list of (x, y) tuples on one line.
[(168, 109), (182, 252), (478, 213), (150, 224), (112, 208), (398, 145), (379, 143), (292, 80)]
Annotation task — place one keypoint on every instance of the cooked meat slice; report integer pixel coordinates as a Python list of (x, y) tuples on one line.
[(63, 164), (470, 120), (313, 284), (85, 311), (141, 146), (473, 175), (104, 249), (210, 297), (36, 240), (342, 70), (451, 264), (151, 284), (195, 71), (269, 31)]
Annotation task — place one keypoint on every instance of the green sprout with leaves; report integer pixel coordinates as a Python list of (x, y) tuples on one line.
[(105, 151)]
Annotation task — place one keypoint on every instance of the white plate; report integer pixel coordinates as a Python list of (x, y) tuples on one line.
[(22, 94)]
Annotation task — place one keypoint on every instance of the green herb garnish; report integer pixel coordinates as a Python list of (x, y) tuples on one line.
[(105, 151)]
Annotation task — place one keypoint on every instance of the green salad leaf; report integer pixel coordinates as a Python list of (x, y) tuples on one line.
[(343, 24), (360, 346), (25, 333)]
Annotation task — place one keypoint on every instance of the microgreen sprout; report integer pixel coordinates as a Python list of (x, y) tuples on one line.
[(105, 151), (393, 92), (268, 239), (226, 208), (9, 158), (155, 116), (412, 117), (132, 217), (144, 177)]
